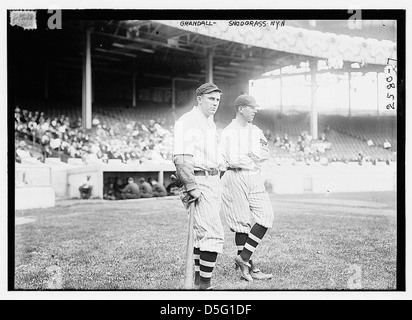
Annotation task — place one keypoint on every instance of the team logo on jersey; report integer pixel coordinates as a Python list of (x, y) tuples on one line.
[(263, 142)]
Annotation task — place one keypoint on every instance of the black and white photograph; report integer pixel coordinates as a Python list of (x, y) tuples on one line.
[(186, 151)]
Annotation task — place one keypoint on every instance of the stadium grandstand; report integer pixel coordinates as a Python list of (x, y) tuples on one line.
[(106, 90), (40, 128)]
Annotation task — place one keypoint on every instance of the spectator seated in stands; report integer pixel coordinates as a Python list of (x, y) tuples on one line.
[(284, 142), (95, 121), (277, 141), (158, 189), (307, 137), (300, 144), (131, 190), (86, 188), (361, 159), (22, 151), (370, 143), (146, 188), (387, 145), (17, 114), (151, 127), (55, 142), (323, 137)]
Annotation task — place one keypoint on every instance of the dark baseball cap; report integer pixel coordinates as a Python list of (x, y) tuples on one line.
[(246, 100), (207, 88)]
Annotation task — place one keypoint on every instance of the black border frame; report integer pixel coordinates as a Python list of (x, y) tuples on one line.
[(228, 14)]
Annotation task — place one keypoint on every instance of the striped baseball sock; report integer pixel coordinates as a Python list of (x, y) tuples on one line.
[(255, 236), (207, 263), (196, 256), (240, 240)]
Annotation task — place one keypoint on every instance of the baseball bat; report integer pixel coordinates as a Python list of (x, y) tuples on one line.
[(188, 284)]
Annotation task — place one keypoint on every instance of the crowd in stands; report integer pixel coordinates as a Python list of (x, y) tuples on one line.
[(22, 150), (322, 150), (133, 141), (141, 140), (387, 145), (304, 149)]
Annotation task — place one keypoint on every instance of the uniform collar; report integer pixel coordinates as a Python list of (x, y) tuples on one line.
[(237, 124)]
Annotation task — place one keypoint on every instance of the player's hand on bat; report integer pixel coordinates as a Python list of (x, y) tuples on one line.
[(178, 183), (194, 194)]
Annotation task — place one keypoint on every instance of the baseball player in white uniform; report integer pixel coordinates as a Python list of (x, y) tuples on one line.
[(196, 159), (243, 147)]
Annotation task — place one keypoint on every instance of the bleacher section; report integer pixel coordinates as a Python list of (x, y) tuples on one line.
[(113, 115), (112, 110), (348, 148), (348, 135), (378, 129)]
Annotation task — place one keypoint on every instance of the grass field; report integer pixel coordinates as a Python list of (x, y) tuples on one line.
[(318, 242)]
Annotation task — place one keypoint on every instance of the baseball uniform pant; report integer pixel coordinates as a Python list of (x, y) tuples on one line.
[(244, 197), (208, 229)]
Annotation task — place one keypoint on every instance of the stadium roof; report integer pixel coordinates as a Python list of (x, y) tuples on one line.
[(176, 52), (166, 49), (246, 50), (285, 37)]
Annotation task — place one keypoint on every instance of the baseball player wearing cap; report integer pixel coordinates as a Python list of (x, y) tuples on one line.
[(196, 159), (243, 147)]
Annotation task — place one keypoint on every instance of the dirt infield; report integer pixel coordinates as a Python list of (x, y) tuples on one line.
[(318, 242)]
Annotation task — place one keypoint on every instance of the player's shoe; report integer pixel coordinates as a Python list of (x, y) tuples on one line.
[(244, 268), (210, 287), (257, 274)]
